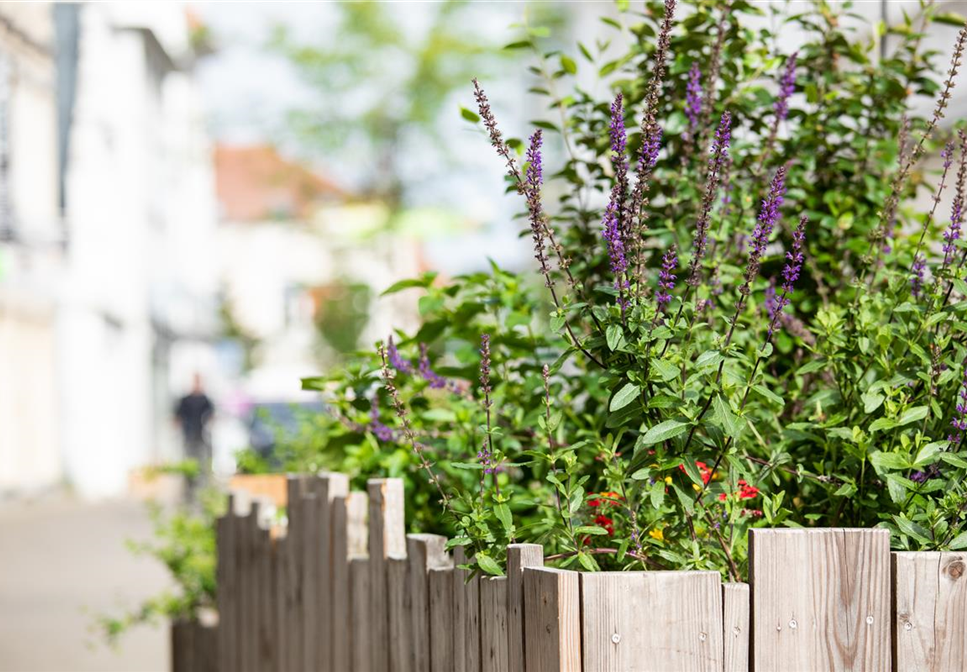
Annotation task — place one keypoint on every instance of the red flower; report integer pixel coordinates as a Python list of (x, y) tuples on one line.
[(747, 491), (606, 523), (703, 470), (607, 499)]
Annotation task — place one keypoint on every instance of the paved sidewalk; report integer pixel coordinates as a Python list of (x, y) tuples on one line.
[(62, 561)]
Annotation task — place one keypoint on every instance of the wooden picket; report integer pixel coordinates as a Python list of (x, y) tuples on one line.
[(341, 588)]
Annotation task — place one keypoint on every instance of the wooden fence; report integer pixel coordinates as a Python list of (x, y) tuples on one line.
[(345, 589)]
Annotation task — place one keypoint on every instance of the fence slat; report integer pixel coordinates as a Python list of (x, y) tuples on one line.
[(552, 620), (227, 589), (440, 582), (494, 655), (267, 630), (652, 621), (518, 557), (423, 553), (309, 528), (362, 641), (400, 610), (332, 486), (387, 537), (182, 635), (820, 599), (279, 564), (466, 616), (349, 540), (293, 574), (735, 626), (930, 621), (249, 590)]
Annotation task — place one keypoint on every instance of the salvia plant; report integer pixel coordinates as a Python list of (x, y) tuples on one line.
[(742, 318)]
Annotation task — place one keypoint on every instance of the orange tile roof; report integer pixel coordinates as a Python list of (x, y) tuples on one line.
[(254, 183)]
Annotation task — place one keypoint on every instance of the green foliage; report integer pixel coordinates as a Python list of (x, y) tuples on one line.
[(184, 542)]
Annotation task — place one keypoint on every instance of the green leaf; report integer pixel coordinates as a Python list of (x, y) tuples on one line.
[(489, 565), (731, 423), (882, 423), (912, 529), (569, 65), (929, 453), (812, 367), (423, 282), (557, 322), (614, 336), (665, 370), (769, 395), (664, 431), (624, 396), (502, 511), (469, 115), (959, 542), (913, 415), (588, 562), (590, 529), (871, 401), (888, 461), (657, 494), (468, 466), (708, 359)]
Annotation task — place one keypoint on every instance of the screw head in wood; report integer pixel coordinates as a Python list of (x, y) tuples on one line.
[(616, 638), (869, 620), (793, 624)]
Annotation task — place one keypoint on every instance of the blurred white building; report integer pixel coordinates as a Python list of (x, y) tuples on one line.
[(107, 294)]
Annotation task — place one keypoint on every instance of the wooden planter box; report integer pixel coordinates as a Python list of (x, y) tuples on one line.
[(338, 593)]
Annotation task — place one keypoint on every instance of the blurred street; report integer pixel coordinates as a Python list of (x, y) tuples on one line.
[(63, 561)]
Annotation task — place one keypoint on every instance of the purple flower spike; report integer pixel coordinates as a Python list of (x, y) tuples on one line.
[(619, 138), (666, 278), (787, 85), (382, 432), (768, 217), (616, 249), (693, 98), (790, 274), (398, 363), (437, 382), (960, 419), (649, 150), (947, 154), (916, 275), (534, 175)]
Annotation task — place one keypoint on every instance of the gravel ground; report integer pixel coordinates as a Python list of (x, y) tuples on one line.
[(61, 561)]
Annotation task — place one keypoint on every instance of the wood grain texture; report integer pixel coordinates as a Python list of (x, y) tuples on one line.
[(518, 557), (820, 599), (930, 617), (309, 529), (226, 569), (440, 583), (387, 536), (293, 574), (552, 620), (331, 487), (652, 621), (423, 553), (267, 613), (735, 624), (249, 590), (362, 641), (281, 625), (348, 519), (466, 616), (495, 656), (400, 607)]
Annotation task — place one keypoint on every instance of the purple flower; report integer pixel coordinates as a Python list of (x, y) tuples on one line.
[(933, 471), (947, 154), (616, 250), (693, 98), (650, 147), (916, 275), (960, 419), (486, 459), (398, 363), (719, 149), (382, 432), (768, 217), (485, 366), (534, 173), (666, 278), (619, 138), (787, 85), (437, 382), (790, 273)]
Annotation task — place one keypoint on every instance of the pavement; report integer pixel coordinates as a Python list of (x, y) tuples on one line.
[(62, 562)]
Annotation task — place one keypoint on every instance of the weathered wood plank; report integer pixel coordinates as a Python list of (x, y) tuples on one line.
[(518, 557), (820, 599), (735, 626), (279, 560), (387, 537), (423, 553), (494, 652), (182, 636), (466, 616), (362, 641), (293, 574), (249, 590), (440, 583), (267, 592), (930, 618), (348, 523), (400, 608), (332, 486), (309, 526), (226, 570), (652, 621), (552, 620)]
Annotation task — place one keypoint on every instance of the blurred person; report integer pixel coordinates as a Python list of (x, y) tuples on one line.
[(193, 413)]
